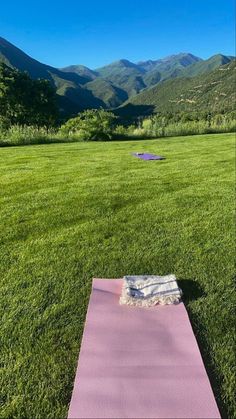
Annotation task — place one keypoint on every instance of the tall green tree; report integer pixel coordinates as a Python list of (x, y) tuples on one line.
[(25, 101)]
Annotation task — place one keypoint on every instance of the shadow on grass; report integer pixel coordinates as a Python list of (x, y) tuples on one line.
[(192, 291)]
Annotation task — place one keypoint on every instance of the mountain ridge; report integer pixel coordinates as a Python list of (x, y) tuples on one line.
[(79, 87)]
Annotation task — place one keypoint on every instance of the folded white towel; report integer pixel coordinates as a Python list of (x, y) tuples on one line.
[(149, 290)]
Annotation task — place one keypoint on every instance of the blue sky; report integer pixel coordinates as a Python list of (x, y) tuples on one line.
[(95, 33)]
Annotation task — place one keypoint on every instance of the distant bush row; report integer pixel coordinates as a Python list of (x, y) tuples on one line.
[(159, 126), (101, 125)]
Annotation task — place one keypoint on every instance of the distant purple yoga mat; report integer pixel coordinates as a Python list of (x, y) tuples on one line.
[(138, 363), (148, 156)]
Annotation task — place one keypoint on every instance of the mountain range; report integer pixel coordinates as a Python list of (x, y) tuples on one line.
[(118, 84)]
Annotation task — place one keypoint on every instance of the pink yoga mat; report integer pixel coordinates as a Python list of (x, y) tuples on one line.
[(138, 363)]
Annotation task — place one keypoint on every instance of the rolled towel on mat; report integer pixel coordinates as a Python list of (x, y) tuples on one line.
[(149, 290)]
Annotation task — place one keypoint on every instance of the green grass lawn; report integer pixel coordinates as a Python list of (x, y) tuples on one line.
[(69, 212)]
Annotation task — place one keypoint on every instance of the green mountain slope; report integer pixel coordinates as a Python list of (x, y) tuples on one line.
[(111, 95), (125, 75), (212, 92), (82, 71), (206, 66), (167, 68), (68, 84)]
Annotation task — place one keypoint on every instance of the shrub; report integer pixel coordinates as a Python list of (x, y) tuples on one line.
[(120, 130), (90, 125)]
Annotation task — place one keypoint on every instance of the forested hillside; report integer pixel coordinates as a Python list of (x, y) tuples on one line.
[(212, 92)]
